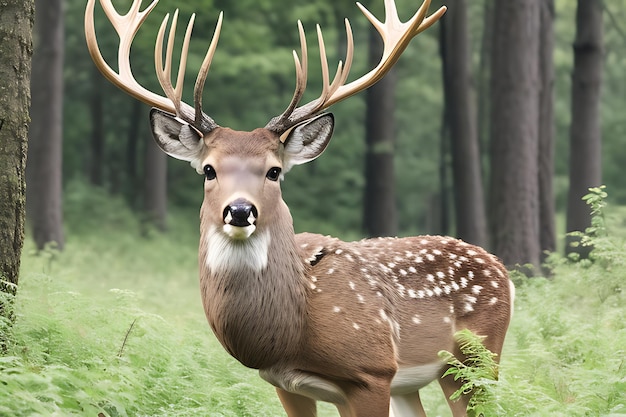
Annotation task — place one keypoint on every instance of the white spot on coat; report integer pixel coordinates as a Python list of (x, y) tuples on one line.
[(476, 289)]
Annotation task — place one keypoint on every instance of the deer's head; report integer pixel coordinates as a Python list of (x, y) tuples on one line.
[(243, 169)]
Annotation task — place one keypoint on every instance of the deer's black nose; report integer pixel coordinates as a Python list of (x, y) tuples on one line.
[(240, 213)]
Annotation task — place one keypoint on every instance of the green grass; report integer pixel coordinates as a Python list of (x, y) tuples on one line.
[(114, 325)]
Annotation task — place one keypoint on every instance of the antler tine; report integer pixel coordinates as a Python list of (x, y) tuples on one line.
[(193, 115), (290, 117), (204, 70), (396, 36), (301, 79), (164, 73), (126, 27)]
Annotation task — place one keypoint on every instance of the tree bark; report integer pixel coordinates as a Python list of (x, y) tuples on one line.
[(585, 166), (547, 228), (44, 169), (471, 222), (155, 187), (514, 133), (16, 23), (380, 212)]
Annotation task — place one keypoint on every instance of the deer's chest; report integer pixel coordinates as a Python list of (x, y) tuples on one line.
[(257, 326)]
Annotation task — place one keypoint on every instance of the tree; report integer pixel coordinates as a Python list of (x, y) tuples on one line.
[(547, 228), (155, 186), (96, 163), (16, 23), (379, 205), (585, 131), (471, 223), (43, 171), (514, 132)]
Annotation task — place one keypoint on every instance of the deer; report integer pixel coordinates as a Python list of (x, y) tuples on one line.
[(357, 324)]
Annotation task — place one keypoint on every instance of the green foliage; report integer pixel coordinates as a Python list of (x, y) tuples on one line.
[(479, 371), (607, 248), (596, 199), (565, 351), (114, 325), (118, 329)]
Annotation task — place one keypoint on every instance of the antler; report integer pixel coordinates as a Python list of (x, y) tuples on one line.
[(396, 36), (126, 27)]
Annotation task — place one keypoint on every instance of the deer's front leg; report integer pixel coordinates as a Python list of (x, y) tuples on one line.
[(372, 400), (297, 405)]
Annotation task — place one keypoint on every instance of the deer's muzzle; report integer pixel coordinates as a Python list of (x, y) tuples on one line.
[(240, 213)]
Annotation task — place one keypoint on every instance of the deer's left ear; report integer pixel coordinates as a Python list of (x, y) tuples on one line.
[(307, 141), (176, 137)]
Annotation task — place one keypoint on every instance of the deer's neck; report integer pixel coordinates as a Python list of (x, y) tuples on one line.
[(253, 292)]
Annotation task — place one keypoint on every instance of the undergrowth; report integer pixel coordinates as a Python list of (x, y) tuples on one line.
[(566, 349), (114, 326)]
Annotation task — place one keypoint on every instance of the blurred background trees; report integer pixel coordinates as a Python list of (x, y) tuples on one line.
[(508, 158), (45, 136), (585, 167)]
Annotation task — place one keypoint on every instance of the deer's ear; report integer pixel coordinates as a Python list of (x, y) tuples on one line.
[(308, 140), (176, 137)]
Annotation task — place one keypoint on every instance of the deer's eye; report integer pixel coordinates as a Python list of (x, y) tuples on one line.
[(209, 172), (273, 174)]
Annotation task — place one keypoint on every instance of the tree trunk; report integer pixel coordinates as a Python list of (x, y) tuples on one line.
[(547, 228), (44, 169), (514, 133), (484, 76), (471, 223), (585, 132), (380, 212), (132, 140), (96, 166), (16, 23), (155, 187)]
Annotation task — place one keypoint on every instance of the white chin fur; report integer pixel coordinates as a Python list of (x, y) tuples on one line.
[(239, 233), (225, 253)]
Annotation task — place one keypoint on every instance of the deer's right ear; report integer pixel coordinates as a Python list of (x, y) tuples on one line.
[(176, 137)]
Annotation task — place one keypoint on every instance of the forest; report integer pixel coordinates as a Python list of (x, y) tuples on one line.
[(416, 154), (500, 125)]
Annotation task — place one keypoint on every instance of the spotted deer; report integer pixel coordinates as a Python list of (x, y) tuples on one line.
[(356, 324)]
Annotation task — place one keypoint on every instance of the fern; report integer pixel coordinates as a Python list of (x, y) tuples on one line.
[(478, 373)]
